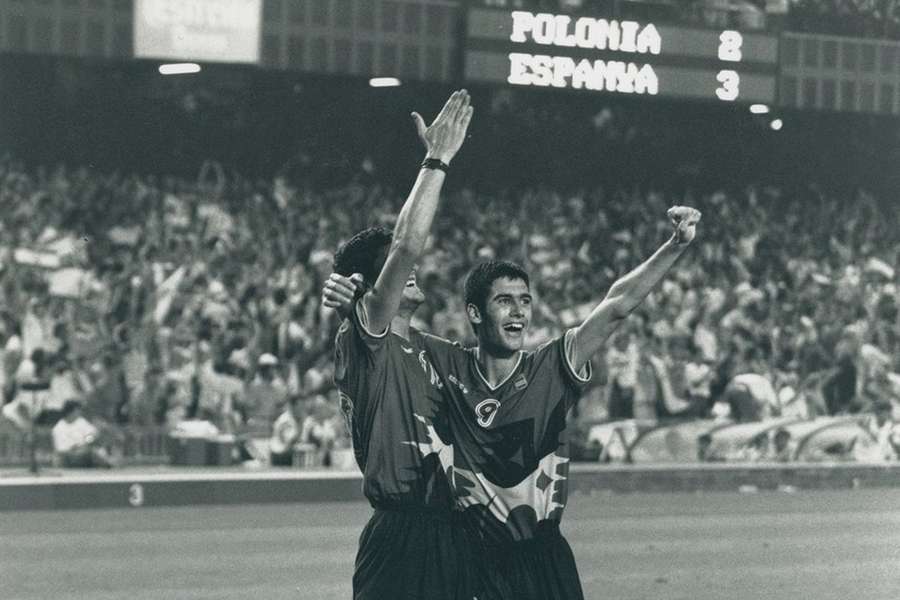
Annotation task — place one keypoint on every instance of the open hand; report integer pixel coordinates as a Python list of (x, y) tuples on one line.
[(685, 220), (444, 137)]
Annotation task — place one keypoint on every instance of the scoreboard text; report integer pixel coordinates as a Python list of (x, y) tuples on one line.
[(624, 57)]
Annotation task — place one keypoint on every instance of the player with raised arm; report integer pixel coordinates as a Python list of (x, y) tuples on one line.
[(508, 413), (390, 396)]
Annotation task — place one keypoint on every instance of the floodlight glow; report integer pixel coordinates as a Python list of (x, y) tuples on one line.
[(384, 82), (179, 68), (776, 125), (759, 109)]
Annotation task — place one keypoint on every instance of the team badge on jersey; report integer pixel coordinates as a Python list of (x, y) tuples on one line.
[(520, 383), (486, 410)]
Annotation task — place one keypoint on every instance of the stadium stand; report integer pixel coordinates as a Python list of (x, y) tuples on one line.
[(157, 300), (152, 278)]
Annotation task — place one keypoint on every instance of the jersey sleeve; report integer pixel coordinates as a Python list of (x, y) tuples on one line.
[(553, 362), (579, 378), (360, 317), (444, 354), (355, 346), (358, 356)]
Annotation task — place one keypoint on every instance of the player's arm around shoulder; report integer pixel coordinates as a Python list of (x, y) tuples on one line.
[(447, 356), (431, 342), (627, 293), (340, 293)]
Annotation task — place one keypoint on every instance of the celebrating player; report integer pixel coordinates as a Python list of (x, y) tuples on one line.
[(390, 398), (508, 411)]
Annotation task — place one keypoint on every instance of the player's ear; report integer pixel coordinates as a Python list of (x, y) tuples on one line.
[(474, 314)]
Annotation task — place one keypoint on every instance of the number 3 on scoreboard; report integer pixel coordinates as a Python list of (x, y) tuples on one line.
[(730, 88)]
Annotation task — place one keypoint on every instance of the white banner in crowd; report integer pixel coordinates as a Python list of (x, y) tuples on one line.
[(70, 282)]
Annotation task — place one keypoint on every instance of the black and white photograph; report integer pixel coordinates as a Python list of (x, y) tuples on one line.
[(449, 299)]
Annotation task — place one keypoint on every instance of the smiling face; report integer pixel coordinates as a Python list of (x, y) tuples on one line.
[(413, 296), (502, 324)]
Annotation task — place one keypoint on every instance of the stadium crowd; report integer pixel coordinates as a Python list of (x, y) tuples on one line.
[(154, 300)]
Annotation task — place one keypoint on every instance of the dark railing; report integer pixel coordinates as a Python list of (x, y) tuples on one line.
[(139, 445)]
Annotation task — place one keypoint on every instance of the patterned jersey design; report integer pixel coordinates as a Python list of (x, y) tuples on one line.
[(391, 398), (509, 464)]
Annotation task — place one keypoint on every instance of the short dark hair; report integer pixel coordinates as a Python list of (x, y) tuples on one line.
[(480, 279), (364, 253)]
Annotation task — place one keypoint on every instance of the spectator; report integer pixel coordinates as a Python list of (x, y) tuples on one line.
[(622, 364), (757, 450), (704, 442), (222, 269), (35, 330), (107, 401), (886, 431), (286, 433), (671, 371), (12, 356), (699, 375), (30, 401), (782, 449), (320, 429), (63, 385), (265, 395), (219, 392), (77, 442), (751, 398)]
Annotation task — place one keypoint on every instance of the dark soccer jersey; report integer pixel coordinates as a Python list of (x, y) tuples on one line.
[(510, 461), (390, 395)]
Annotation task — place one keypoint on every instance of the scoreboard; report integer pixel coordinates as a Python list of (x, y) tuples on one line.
[(204, 30), (620, 57)]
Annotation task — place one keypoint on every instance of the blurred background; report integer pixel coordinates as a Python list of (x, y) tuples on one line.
[(175, 178)]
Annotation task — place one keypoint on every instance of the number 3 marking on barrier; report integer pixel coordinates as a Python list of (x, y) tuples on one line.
[(136, 495)]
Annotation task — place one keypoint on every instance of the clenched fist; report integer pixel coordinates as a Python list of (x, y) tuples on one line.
[(685, 220)]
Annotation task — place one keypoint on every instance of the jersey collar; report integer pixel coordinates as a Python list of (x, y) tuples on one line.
[(484, 379)]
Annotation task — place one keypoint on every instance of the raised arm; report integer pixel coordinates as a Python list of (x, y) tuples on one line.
[(442, 140), (627, 293)]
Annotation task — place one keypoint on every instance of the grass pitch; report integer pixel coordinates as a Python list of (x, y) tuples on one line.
[(807, 545)]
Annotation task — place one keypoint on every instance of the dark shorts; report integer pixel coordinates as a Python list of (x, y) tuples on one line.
[(409, 555), (542, 568)]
